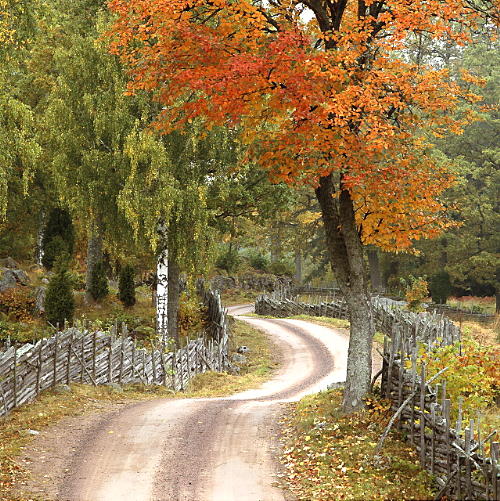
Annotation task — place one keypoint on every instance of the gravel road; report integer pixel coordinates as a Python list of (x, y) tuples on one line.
[(217, 449)]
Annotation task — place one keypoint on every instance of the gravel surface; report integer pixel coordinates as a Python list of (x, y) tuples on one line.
[(217, 449)]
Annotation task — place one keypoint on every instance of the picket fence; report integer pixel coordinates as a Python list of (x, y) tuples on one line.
[(99, 357), (455, 455)]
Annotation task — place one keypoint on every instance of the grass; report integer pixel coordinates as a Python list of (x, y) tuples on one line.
[(473, 304), (258, 368), (329, 456), (50, 407), (232, 297)]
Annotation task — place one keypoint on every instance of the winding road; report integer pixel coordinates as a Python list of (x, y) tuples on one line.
[(214, 449)]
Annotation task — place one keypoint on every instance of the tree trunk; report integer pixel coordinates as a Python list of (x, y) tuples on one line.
[(162, 286), (94, 255), (298, 266), (39, 238), (173, 299), (375, 275), (347, 260)]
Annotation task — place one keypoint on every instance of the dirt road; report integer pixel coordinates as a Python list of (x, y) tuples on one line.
[(219, 449)]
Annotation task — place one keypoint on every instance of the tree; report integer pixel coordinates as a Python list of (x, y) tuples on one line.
[(58, 236), (331, 102), (59, 301), (126, 286), (98, 282)]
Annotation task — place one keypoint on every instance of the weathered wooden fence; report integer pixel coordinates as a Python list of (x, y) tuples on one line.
[(454, 455), (109, 357)]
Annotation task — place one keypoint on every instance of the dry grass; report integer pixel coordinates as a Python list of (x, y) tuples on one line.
[(329, 456)]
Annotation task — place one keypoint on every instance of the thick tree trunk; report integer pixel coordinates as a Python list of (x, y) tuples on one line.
[(173, 299), (375, 275), (346, 252), (298, 266), (162, 294), (94, 255)]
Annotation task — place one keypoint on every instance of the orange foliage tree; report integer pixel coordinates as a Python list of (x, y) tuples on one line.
[(323, 95)]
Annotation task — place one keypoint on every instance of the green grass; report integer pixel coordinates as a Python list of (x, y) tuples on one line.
[(233, 297), (329, 456)]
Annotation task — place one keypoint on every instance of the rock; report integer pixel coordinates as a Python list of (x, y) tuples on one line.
[(45, 280), (7, 279), (8, 262), (21, 277), (40, 293), (238, 359), (243, 349), (62, 388), (33, 432), (115, 387), (336, 386), (233, 369)]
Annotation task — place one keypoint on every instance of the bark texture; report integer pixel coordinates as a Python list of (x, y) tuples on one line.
[(173, 299), (375, 275), (346, 254), (94, 256)]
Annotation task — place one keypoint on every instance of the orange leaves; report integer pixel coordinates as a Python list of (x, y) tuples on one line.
[(310, 98)]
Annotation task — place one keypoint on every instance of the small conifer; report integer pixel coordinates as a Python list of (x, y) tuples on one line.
[(99, 282), (58, 236), (126, 286), (59, 301)]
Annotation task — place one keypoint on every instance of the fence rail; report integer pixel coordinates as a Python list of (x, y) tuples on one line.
[(106, 357), (454, 455)]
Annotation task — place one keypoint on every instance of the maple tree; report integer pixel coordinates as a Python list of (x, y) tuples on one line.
[(324, 95)]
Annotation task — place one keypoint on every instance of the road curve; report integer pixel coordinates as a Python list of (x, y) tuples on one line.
[(218, 449)]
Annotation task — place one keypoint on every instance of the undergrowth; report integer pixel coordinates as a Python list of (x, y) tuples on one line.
[(329, 456)]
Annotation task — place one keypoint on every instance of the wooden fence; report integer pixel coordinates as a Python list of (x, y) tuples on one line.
[(109, 357), (454, 455)]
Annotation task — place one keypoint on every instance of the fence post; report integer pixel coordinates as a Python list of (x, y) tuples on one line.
[(14, 369), (82, 359), (39, 366), (422, 416), (68, 360), (54, 371), (94, 354), (110, 360)]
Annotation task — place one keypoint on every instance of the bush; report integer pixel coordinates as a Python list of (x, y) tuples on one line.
[(18, 304), (281, 268), (228, 261), (59, 301), (440, 287), (191, 316), (98, 282), (258, 261), (126, 286), (58, 236), (416, 292), (473, 373)]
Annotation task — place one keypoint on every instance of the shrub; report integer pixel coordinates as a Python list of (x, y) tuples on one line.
[(98, 282), (473, 373), (126, 286), (18, 304), (191, 316), (58, 236), (59, 301), (440, 287), (415, 293), (258, 261), (228, 261), (281, 268)]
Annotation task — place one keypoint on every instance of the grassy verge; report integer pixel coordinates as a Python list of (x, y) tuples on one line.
[(329, 456), (233, 297), (50, 407), (258, 368)]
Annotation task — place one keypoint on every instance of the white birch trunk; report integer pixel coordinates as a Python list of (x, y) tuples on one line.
[(39, 239), (162, 286)]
